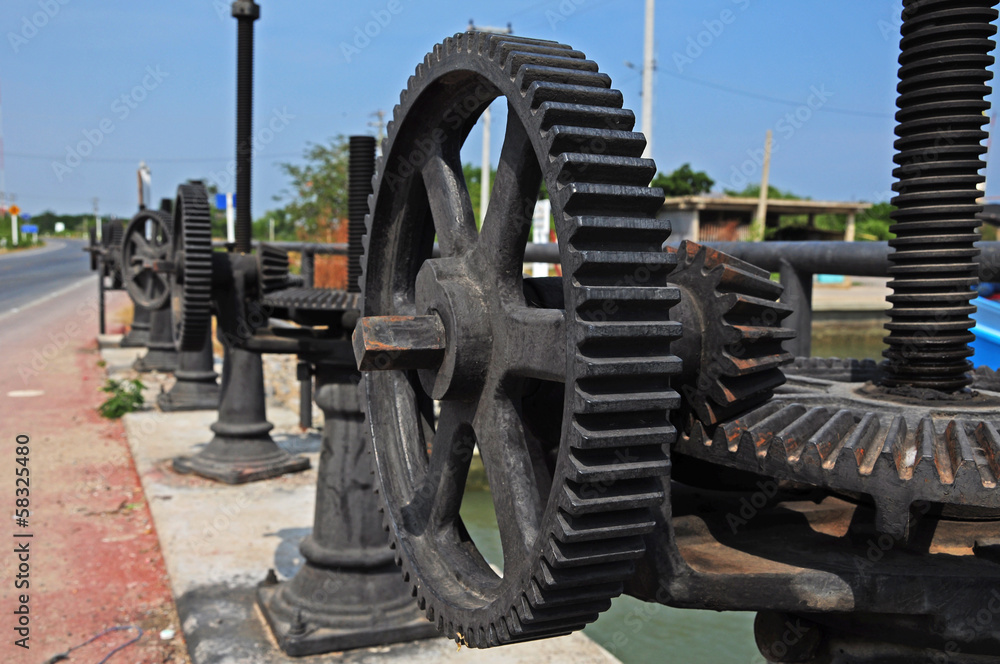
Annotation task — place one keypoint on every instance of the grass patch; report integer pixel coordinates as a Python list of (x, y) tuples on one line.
[(126, 397)]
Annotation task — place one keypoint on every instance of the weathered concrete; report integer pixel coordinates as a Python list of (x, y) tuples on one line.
[(220, 540)]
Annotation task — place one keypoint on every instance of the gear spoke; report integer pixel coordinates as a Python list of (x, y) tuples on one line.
[(451, 206), (439, 497), (507, 224), (506, 455)]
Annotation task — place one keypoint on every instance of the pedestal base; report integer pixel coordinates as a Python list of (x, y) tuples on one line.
[(192, 391), (135, 338), (236, 460), (156, 359), (324, 610)]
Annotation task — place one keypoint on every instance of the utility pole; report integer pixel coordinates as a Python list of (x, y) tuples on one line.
[(14, 211), (487, 119), (760, 223), (379, 124), (144, 176), (648, 68)]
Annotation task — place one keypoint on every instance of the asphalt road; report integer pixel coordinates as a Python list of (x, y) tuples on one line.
[(28, 276)]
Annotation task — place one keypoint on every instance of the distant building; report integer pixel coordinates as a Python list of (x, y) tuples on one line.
[(728, 218)]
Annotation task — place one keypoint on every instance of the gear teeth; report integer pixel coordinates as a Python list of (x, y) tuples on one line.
[(584, 139), (881, 456), (556, 113), (568, 554), (615, 442), (738, 363), (503, 49), (563, 97), (273, 268), (592, 498), (193, 301)]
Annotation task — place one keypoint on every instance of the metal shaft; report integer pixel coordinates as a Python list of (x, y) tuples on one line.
[(943, 73), (361, 170), (246, 12)]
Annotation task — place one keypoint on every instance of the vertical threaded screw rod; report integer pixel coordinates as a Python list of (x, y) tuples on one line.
[(361, 169), (946, 46), (245, 12)]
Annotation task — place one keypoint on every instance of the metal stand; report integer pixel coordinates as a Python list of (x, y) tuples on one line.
[(197, 387), (349, 593), (138, 335), (242, 450), (162, 355)]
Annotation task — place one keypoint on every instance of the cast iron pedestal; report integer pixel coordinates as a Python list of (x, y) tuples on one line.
[(197, 387), (242, 450), (162, 354), (138, 335), (349, 593)]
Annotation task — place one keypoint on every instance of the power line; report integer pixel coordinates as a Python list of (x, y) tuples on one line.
[(775, 100)]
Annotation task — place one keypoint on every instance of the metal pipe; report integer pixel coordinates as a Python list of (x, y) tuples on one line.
[(245, 12), (798, 286), (859, 259)]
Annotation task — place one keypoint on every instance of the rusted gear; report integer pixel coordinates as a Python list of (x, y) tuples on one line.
[(732, 339), (570, 532), (191, 287)]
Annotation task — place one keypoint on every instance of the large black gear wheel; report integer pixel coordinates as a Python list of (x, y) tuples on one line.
[(146, 243), (573, 505), (191, 288), (732, 344)]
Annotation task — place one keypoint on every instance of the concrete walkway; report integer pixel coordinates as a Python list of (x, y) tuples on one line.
[(219, 541), (864, 294)]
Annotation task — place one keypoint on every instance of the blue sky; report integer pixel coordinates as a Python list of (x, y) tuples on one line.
[(727, 70)]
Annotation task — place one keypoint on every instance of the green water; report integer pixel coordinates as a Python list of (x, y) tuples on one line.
[(859, 339), (636, 632), (639, 633)]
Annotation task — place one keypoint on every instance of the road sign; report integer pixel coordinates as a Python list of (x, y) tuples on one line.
[(29, 228), (26, 216), (220, 201), (14, 210)]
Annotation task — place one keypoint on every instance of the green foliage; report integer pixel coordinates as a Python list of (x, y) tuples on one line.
[(318, 189), (23, 241), (473, 182), (753, 191), (684, 182), (126, 397), (873, 224), (46, 222), (284, 229)]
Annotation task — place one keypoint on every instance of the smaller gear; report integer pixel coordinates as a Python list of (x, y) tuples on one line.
[(273, 268), (145, 249), (732, 343)]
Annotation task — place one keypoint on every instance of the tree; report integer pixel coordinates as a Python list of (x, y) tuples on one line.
[(684, 182), (319, 187), (753, 191)]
